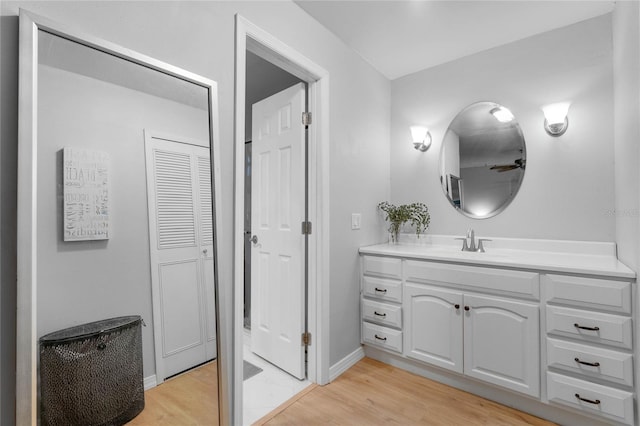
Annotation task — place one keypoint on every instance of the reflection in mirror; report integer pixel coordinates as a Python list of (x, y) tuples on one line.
[(483, 160), (124, 237)]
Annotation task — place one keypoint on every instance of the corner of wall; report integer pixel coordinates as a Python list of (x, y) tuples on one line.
[(626, 63)]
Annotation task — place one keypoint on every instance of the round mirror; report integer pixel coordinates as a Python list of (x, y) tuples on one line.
[(482, 160)]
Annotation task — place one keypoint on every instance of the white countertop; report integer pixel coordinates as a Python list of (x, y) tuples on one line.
[(572, 257)]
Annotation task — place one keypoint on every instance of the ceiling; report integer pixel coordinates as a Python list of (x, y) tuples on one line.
[(400, 37)]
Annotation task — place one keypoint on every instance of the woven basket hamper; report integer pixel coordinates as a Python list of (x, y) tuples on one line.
[(91, 374)]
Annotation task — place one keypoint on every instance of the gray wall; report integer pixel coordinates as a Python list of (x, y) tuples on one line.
[(199, 37), (568, 186), (626, 63), (626, 66)]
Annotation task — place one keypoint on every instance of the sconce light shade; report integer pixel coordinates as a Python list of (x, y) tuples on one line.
[(421, 138), (555, 118)]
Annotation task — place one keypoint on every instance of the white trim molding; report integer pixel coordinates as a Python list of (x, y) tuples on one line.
[(150, 382), (345, 363)]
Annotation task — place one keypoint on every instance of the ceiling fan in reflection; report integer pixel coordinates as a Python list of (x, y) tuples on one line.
[(517, 164)]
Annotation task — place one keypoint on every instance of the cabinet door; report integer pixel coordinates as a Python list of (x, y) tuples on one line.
[(502, 343), (433, 326)]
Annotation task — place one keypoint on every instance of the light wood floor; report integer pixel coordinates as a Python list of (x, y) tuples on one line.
[(190, 399), (369, 393), (373, 393)]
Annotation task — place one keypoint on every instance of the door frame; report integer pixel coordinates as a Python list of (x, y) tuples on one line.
[(251, 37), (149, 135)]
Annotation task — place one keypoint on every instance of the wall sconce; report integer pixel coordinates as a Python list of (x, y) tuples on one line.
[(421, 138), (555, 118)]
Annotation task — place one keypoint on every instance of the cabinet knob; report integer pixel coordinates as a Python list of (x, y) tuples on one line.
[(457, 306), (466, 308)]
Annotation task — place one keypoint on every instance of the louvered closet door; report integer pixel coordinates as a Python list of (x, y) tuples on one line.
[(181, 243)]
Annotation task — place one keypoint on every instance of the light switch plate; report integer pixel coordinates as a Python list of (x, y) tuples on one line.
[(355, 220)]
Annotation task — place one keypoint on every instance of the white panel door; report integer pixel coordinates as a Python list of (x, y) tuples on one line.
[(502, 343), (181, 254), (277, 255)]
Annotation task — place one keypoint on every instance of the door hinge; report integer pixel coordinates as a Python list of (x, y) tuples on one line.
[(306, 118), (306, 228), (306, 339)]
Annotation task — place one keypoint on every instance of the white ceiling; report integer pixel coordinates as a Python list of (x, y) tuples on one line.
[(400, 37)]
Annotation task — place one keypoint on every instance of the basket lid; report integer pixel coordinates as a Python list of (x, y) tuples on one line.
[(90, 329)]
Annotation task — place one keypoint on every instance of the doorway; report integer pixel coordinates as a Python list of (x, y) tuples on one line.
[(250, 38), (263, 80), (275, 252)]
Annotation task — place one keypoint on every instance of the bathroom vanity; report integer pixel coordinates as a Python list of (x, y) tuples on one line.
[(543, 326)]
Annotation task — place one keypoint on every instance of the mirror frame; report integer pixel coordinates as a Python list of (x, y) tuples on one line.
[(507, 202), (27, 244)]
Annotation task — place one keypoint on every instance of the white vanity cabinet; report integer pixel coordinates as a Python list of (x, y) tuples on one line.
[(554, 331), (381, 302), (490, 338), (590, 345)]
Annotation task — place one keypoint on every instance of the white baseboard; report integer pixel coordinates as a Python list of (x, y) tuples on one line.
[(150, 382), (345, 363)]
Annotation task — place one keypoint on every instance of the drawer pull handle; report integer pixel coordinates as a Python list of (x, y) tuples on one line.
[(380, 338), (582, 327), (378, 314), (457, 306), (590, 401), (381, 290), (590, 364)]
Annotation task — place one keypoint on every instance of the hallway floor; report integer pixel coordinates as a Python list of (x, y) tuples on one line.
[(268, 389)]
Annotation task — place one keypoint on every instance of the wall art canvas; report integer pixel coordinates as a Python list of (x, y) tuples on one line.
[(86, 195)]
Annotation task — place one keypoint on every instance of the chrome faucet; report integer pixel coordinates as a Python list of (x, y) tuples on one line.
[(469, 242), (472, 239)]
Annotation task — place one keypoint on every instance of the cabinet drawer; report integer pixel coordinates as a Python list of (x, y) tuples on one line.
[(613, 366), (589, 292), (383, 337), (491, 280), (383, 313), (608, 329), (386, 267), (382, 289), (607, 402)]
